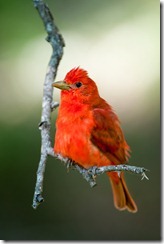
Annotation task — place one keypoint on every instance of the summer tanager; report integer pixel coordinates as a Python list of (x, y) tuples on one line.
[(89, 133)]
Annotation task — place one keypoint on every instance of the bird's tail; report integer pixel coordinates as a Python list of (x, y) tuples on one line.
[(122, 198)]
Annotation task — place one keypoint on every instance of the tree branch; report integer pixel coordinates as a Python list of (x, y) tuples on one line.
[(90, 174), (57, 43), (48, 105)]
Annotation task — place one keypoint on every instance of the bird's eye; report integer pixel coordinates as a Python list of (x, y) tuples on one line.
[(78, 84)]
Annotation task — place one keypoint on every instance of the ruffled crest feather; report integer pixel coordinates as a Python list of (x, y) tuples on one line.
[(76, 74)]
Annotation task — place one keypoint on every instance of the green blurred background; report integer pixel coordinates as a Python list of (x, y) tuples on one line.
[(118, 43)]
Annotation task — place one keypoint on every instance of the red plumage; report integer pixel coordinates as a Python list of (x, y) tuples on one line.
[(88, 132)]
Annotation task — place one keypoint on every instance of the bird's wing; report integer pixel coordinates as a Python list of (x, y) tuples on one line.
[(108, 136)]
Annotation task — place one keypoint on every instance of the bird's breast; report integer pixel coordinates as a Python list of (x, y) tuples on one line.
[(72, 139)]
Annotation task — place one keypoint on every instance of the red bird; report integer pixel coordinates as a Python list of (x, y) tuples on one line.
[(88, 132)]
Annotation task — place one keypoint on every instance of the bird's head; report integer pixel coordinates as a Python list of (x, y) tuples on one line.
[(77, 85)]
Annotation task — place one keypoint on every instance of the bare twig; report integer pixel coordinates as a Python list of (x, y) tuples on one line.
[(91, 173), (57, 43), (48, 105)]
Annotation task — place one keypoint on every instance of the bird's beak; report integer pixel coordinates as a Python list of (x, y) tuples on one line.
[(61, 85)]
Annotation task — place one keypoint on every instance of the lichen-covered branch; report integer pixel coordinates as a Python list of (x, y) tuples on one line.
[(57, 43), (90, 174)]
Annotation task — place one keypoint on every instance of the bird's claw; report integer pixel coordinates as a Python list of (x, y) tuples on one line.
[(92, 172), (69, 164)]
